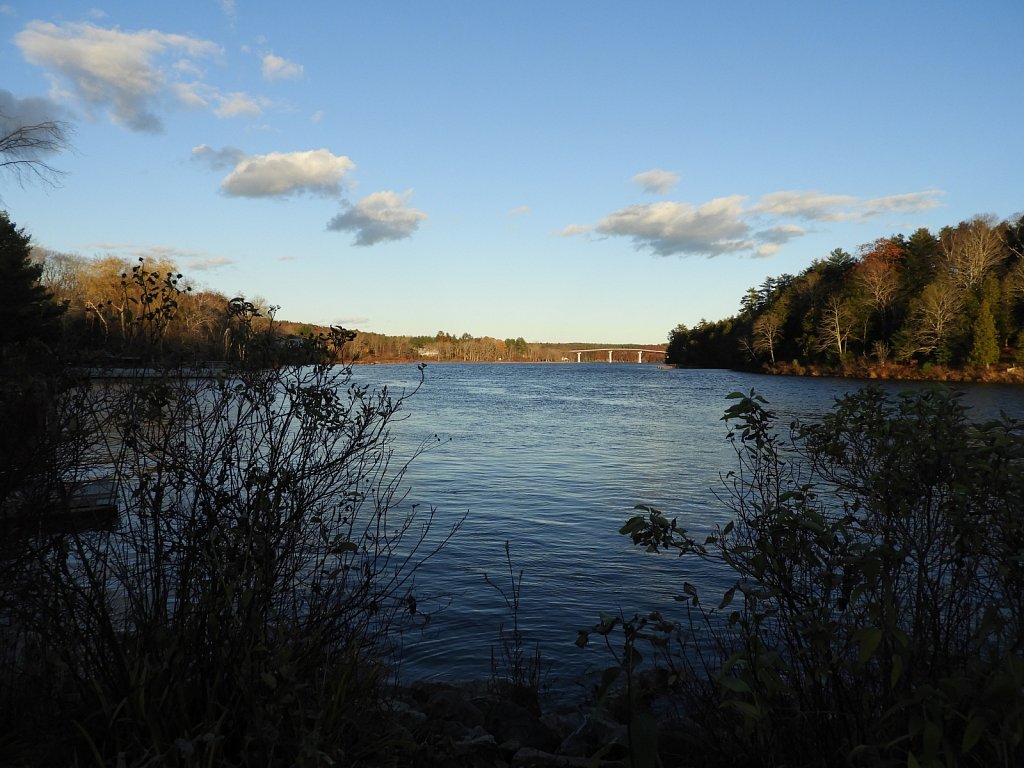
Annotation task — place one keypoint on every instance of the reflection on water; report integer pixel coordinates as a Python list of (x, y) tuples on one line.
[(552, 458)]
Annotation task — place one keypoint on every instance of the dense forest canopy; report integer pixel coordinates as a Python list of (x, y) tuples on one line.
[(954, 299)]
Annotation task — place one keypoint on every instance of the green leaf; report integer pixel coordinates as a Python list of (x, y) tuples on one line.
[(869, 639), (897, 671), (734, 684), (633, 525), (747, 709), (972, 734), (932, 738), (727, 598)]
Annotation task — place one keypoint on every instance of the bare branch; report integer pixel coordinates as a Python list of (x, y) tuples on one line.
[(23, 147)]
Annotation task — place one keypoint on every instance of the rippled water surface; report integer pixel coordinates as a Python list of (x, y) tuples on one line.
[(552, 459)]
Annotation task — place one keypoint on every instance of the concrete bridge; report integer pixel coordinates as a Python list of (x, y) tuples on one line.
[(611, 350)]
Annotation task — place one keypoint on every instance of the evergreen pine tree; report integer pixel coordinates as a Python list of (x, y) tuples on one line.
[(27, 310), (985, 345)]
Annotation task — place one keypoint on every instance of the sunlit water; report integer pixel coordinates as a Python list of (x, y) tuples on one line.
[(552, 459)]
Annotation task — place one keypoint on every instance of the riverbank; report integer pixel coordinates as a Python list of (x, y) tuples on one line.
[(903, 372)]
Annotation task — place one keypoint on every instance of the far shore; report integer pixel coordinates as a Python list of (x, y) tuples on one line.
[(879, 371)]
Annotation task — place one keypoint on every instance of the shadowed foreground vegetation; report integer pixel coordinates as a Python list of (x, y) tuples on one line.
[(246, 604), (876, 611)]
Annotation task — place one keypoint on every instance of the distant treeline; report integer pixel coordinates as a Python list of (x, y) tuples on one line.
[(445, 347), (955, 299), (119, 309)]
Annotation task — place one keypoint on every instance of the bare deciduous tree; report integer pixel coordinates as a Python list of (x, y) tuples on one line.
[(23, 148), (767, 332), (971, 250), (836, 327), (935, 315)]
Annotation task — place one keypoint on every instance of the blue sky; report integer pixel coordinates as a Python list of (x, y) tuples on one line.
[(561, 171)]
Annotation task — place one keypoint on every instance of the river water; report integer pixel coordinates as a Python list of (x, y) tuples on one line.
[(552, 459)]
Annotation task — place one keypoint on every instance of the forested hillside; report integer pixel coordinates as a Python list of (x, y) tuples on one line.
[(955, 299)]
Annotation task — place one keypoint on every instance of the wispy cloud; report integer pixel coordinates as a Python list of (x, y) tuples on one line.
[(350, 321), (809, 205), (218, 159), (907, 203), (230, 11), (238, 105), (378, 218), (730, 225), (520, 210), (574, 229), (657, 181), (208, 263), (277, 174), (133, 76), (278, 68), (187, 260)]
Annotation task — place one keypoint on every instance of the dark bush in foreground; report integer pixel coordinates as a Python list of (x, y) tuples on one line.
[(245, 608), (876, 615)]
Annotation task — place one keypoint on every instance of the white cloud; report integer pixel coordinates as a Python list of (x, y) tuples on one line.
[(810, 205), (657, 181), (110, 69), (6, 10), (278, 68), (316, 117), (521, 210), (279, 174), (727, 224), (379, 217), (668, 228), (767, 249)]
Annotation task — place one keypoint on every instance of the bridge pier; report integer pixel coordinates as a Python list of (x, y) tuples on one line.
[(611, 353)]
